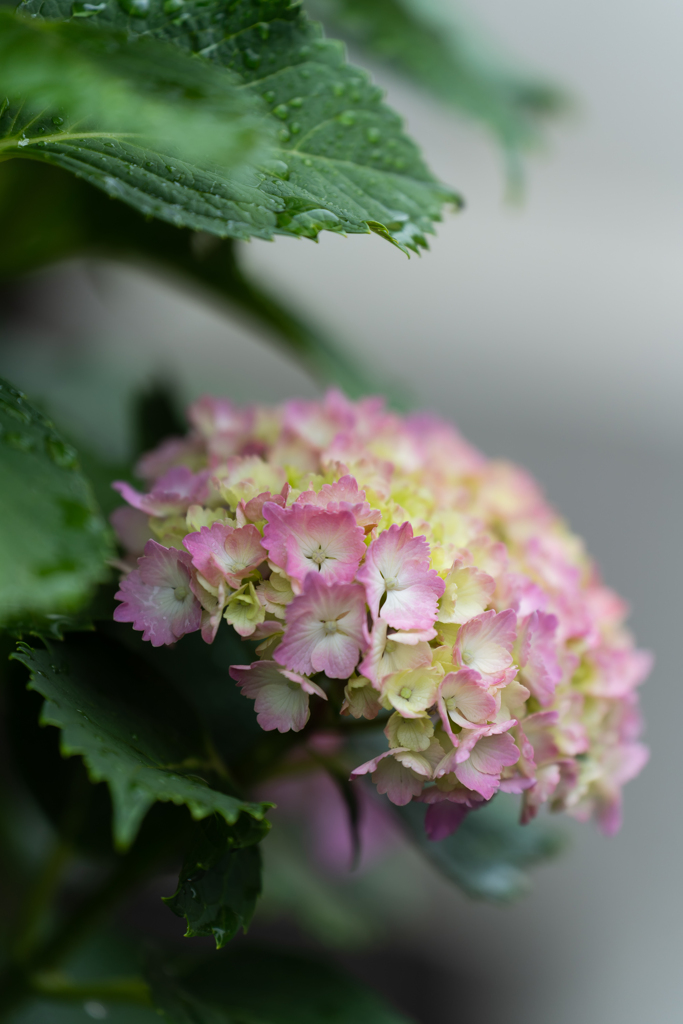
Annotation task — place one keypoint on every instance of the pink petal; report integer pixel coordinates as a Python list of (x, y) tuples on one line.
[(397, 568), (324, 631), (540, 668), (221, 552), (303, 539), (485, 642), (281, 698), (157, 596), (443, 819)]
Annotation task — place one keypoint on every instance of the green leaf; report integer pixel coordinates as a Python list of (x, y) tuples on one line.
[(486, 857), (257, 986), (53, 540), (71, 82), (425, 40), (342, 162), (133, 732), (220, 880)]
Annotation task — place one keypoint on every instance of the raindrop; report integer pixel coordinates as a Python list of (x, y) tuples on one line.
[(283, 135), (171, 6), (264, 29), (338, 88), (308, 162), (61, 454), (269, 96), (57, 121), (295, 127), (347, 118), (251, 58), (297, 101), (373, 134), (82, 10), (281, 111), (23, 142), (136, 8)]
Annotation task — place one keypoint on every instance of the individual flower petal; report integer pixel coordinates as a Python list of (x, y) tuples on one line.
[(463, 697), (222, 553), (444, 818), (174, 492), (360, 699), (485, 642), (540, 669), (324, 630), (281, 697), (303, 540), (157, 596), (481, 771), (396, 570), (468, 592), (252, 511), (399, 783)]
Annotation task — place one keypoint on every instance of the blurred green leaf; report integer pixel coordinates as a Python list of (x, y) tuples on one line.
[(220, 880), (70, 83), (486, 857), (342, 162), (258, 986), (54, 541), (425, 40), (132, 730)]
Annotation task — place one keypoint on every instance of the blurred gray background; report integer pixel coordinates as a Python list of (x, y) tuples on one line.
[(550, 331)]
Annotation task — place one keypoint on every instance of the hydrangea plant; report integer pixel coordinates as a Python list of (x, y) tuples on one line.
[(322, 593), (385, 555)]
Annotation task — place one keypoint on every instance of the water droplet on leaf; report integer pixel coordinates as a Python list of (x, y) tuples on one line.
[(136, 8), (281, 111), (82, 10)]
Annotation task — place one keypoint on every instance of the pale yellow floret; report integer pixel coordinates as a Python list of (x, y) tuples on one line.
[(411, 691), (197, 517), (414, 733), (244, 611), (169, 531)]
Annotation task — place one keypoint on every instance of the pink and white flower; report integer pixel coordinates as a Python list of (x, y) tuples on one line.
[(324, 631), (343, 496), (402, 589), (463, 698), (281, 697), (174, 492), (222, 553), (303, 540), (485, 643), (157, 597)]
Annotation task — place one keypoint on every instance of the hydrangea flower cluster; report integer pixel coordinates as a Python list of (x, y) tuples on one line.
[(385, 552)]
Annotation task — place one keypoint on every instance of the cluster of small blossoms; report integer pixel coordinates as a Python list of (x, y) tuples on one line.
[(358, 545)]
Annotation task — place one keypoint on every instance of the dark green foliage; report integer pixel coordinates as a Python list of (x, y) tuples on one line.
[(70, 82), (220, 880), (53, 540), (341, 161), (425, 41), (258, 986), (133, 732), (486, 857)]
